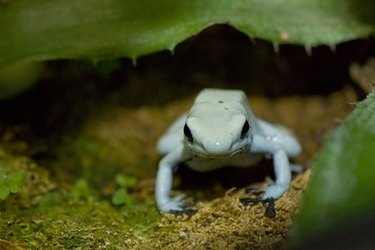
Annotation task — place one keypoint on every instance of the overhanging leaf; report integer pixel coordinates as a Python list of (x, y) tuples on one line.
[(100, 29), (341, 191), (19, 77)]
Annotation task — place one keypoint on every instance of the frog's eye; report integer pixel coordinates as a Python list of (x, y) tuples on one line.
[(187, 133), (245, 129)]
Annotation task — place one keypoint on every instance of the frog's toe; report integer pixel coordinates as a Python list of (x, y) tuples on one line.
[(270, 209), (174, 204), (251, 190), (187, 211), (255, 191), (247, 201), (296, 168), (178, 198)]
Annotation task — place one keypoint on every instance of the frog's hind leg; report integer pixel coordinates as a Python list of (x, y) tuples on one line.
[(172, 137), (282, 136)]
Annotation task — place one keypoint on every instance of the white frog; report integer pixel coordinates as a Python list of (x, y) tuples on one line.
[(221, 130)]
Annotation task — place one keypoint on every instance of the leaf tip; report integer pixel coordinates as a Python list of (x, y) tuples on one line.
[(332, 47), (171, 48), (308, 49), (95, 61), (134, 61), (276, 47), (252, 39)]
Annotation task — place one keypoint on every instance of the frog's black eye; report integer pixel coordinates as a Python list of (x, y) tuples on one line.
[(187, 133), (245, 129)]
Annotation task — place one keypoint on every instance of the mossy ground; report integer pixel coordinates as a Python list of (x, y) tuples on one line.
[(86, 128), (50, 213)]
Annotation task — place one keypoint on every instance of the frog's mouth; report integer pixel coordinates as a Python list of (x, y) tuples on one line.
[(228, 155)]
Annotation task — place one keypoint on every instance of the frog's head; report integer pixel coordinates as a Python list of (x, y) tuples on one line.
[(219, 131)]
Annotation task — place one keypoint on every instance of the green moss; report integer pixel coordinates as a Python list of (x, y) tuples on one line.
[(22, 181), (89, 224), (81, 189), (53, 198)]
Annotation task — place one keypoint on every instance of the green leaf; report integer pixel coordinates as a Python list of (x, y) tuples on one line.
[(54, 198), (101, 29), (125, 181), (4, 191), (10, 183), (15, 181), (82, 189), (122, 197), (341, 190)]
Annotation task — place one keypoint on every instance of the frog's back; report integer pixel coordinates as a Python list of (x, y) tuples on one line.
[(220, 95), (234, 100)]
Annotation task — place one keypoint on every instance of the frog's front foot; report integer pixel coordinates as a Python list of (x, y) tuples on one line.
[(173, 205), (187, 211), (269, 196), (270, 210), (177, 207)]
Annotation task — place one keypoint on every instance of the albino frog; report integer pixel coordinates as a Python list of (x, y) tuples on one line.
[(221, 130)]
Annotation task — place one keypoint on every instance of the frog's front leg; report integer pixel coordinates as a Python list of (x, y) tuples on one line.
[(164, 179), (173, 137), (281, 166)]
